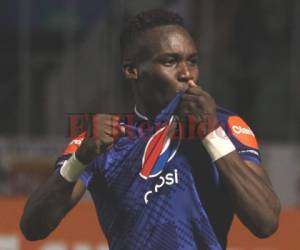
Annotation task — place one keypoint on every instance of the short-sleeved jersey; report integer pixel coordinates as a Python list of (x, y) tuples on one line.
[(179, 204)]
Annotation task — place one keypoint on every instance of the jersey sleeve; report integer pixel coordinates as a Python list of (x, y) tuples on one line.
[(243, 138), (87, 174)]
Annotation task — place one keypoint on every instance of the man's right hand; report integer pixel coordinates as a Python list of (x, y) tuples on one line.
[(106, 130), (48, 205)]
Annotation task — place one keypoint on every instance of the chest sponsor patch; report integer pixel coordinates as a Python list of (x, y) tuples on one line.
[(159, 150), (242, 132)]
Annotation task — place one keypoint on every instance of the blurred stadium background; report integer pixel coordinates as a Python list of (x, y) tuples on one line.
[(60, 57)]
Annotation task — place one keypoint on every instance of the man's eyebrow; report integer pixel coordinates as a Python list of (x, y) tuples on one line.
[(195, 54), (168, 54), (174, 54)]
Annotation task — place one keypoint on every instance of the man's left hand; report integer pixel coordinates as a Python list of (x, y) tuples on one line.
[(201, 106)]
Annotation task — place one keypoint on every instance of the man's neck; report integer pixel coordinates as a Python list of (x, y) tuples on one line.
[(144, 113)]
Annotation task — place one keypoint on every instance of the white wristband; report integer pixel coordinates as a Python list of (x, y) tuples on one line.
[(72, 169), (218, 144)]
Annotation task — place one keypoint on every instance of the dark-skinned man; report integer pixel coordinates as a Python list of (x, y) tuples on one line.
[(152, 190)]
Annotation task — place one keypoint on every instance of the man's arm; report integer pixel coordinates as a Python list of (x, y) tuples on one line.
[(248, 185), (253, 198), (47, 206)]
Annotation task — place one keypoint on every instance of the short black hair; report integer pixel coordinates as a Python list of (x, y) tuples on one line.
[(144, 21)]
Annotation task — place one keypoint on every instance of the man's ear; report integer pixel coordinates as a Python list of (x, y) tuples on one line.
[(130, 71)]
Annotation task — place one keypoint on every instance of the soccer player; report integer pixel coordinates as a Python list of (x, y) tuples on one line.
[(152, 190)]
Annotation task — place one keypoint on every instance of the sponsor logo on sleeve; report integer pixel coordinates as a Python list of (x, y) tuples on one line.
[(242, 132), (74, 144)]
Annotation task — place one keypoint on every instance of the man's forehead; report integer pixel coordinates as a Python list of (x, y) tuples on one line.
[(167, 39)]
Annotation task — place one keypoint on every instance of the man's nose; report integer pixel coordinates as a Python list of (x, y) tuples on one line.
[(184, 73)]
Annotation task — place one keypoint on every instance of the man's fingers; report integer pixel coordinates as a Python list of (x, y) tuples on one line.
[(191, 83), (106, 129), (197, 91), (191, 106), (98, 146), (193, 98), (123, 130), (114, 132), (106, 139)]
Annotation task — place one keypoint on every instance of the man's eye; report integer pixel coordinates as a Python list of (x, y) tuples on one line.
[(168, 62), (193, 61)]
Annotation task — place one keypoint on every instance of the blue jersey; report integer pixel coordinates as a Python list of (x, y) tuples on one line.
[(179, 202)]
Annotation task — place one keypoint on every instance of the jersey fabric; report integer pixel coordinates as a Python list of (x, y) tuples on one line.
[(153, 192)]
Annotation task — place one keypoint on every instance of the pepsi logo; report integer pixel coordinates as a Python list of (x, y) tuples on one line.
[(159, 150)]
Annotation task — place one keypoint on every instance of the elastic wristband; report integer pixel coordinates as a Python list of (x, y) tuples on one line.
[(218, 144), (71, 169)]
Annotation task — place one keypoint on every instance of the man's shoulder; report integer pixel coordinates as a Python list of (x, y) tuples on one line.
[(224, 113), (229, 118), (238, 130)]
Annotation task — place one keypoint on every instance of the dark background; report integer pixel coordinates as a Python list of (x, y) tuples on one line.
[(60, 57)]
